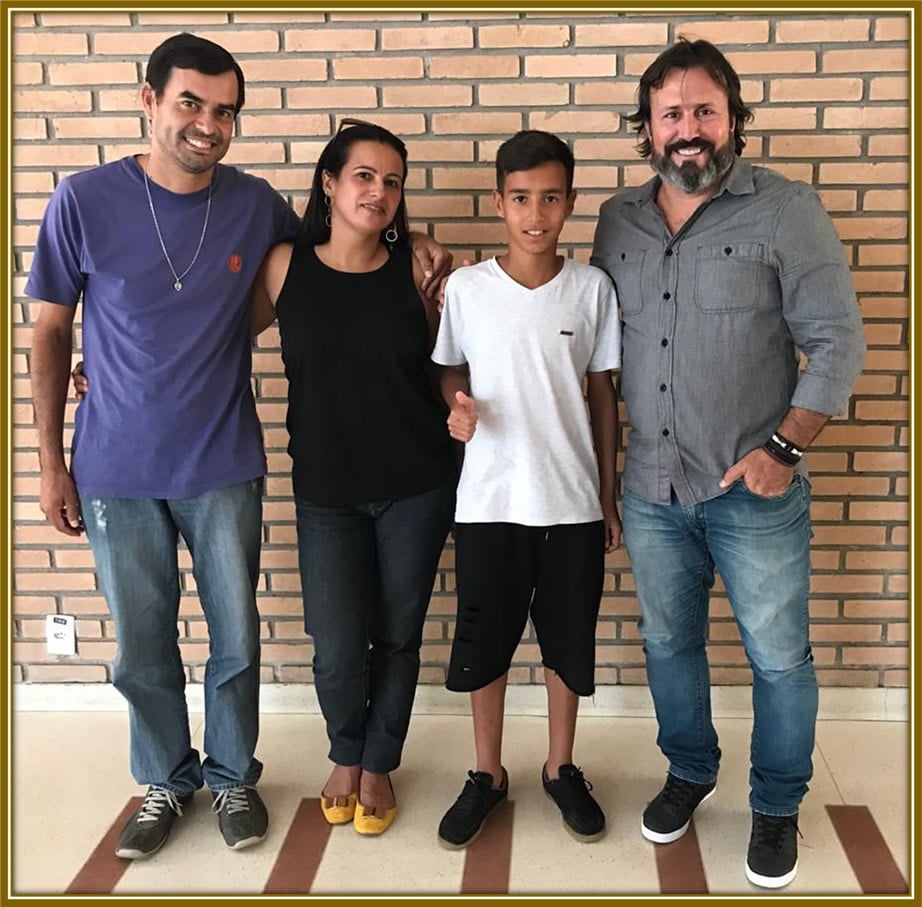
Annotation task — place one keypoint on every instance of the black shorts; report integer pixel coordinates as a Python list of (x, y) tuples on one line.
[(506, 572)]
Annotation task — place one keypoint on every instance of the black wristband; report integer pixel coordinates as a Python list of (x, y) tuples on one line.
[(783, 450)]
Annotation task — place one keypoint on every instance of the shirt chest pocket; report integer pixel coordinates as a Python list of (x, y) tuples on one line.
[(732, 277), (625, 266)]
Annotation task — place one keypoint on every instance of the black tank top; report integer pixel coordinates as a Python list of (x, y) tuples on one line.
[(364, 421)]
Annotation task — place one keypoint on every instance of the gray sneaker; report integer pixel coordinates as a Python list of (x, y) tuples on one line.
[(147, 830), (242, 816)]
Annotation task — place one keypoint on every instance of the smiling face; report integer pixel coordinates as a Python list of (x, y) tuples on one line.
[(535, 205), (690, 131), (367, 192), (192, 122)]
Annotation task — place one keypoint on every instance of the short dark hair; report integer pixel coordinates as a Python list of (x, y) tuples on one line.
[(314, 228), (685, 54), (185, 51), (529, 149)]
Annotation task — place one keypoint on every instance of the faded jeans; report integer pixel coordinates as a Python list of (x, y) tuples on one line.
[(760, 546), (134, 543)]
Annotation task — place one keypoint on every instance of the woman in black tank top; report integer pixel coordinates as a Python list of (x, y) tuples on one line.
[(373, 467)]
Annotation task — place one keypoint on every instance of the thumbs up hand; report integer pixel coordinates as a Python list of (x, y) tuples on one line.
[(462, 420)]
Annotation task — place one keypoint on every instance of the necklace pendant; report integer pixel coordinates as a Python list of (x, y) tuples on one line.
[(177, 286)]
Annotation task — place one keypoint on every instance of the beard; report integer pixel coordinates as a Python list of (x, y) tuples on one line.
[(689, 176)]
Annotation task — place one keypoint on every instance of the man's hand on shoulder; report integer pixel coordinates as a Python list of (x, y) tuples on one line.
[(435, 261)]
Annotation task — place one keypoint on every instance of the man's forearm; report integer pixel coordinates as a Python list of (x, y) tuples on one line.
[(802, 426)]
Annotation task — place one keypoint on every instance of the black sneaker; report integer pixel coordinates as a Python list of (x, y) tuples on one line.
[(667, 816), (147, 830), (464, 820), (772, 859), (582, 816), (242, 816)]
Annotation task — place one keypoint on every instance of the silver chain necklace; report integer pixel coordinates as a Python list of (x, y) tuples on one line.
[(177, 278)]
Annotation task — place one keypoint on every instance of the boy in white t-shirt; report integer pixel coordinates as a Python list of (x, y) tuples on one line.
[(536, 500)]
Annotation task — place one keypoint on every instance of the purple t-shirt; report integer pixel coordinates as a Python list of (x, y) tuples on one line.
[(170, 411)]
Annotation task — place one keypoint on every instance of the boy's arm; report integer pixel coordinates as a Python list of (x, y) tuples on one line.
[(455, 386), (603, 413)]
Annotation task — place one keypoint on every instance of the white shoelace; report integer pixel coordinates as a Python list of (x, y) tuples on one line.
[(233, 800), (154, 803)]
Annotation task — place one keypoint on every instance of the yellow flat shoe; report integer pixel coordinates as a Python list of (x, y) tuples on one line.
[(369, 823), (338, 810)]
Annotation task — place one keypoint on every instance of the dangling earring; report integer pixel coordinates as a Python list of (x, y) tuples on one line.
[(391, 234), (328, 220)]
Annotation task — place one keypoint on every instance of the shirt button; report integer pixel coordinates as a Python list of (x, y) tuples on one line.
[(662, 387), (665, 432), (664, 342), (667, 295), (668, 253)]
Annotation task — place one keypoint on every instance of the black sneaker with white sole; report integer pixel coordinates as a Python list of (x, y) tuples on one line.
[(242, 816), (772, 858), (148, 829), (668, 815)]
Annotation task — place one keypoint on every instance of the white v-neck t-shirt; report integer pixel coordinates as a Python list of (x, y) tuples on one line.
[(531, 460)]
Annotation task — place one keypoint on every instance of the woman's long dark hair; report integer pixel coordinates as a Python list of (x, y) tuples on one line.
[(314, 229)]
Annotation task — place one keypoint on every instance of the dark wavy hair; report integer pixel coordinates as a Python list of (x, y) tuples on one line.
[(685, 54), (185, 51), (314, 229), (529, 149)]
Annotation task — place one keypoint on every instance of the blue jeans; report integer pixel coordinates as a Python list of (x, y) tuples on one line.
[(134, 543), (760, 546), (367, 573)]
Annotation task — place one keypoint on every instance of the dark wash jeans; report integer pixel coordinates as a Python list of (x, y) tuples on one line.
[(367, 573)]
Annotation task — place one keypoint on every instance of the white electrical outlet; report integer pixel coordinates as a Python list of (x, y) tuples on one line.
[(60, 632)]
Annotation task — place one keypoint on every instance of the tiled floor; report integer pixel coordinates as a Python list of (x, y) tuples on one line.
[(71, 784)]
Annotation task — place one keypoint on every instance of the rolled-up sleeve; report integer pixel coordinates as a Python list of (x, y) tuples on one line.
[(819, 304)]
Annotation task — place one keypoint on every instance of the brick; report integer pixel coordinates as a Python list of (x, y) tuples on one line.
[(847, 486), (802, 30), (815, 146), (892, 28), (794, 171), (845, 632), (849, 535), (482, 66), (866, 61), (521, 35), (880, 461), (882, 655), (896, 678), (27, 73), (47, 44), (886, 361), (836, 677), (421, 150), (882, 410), (329, 40), (450, 206), (579, 66), (384, 68), (570, 121), (771, 118), (44, 582), (428, 96), (621, 35), (894, 511), (888, 145), (884, 335), (877, 560), (27, 100), (96, 127), (876, 609), (128, 43), (726, 30), (898, 632), (476, 123), (884, 200), (276, 71), (608, 92), (871, 227), (769, 62), (817, 89), (523, 95), (427, 38), (897, 584), (839, 199), (285, 124), (92, 73), (889, 88), (879, 281), (866, 117)]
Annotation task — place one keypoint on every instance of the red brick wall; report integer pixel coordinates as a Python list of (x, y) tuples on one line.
[(831, 99)]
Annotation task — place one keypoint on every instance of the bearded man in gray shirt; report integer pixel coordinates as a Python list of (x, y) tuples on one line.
[(727, 274)]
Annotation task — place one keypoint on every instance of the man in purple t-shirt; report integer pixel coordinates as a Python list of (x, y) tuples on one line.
[(163, 247)]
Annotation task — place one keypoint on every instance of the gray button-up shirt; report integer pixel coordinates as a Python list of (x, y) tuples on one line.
[(714, 320)]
